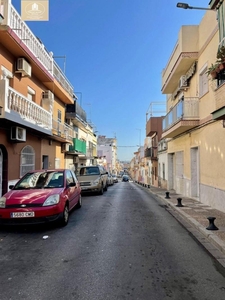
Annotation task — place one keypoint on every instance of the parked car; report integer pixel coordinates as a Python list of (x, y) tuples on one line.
[(110, 179), (125, 178), (115, 179), (93, 179), (41, 196)]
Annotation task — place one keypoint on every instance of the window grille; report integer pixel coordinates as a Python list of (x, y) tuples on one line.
[(27, 159)]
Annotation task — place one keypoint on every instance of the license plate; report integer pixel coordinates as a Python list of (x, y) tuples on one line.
[(27, 214)]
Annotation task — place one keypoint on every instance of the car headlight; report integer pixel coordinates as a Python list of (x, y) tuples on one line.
[(51, 200), (96, 181), (2, 202)]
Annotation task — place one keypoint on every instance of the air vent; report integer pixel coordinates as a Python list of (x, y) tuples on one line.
[(23, 67)]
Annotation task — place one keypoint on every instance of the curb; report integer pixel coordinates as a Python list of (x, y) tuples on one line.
[(212, 243)]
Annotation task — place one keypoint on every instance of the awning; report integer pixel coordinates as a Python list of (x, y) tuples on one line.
[(219, 114)]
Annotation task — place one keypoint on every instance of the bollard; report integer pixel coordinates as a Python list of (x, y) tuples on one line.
[(149, 186), (179, 204), (167, 195), (211, 224)]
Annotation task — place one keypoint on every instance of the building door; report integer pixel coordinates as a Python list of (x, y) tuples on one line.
[(44, 162), (1, 171), (171, 174), (195, 172), (179, 172)]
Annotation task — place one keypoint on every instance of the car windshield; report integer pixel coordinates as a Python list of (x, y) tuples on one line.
[(40, 180), (89, 171)]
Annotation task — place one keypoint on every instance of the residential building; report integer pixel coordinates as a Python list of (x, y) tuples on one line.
[(34, 95), (107, 153), (154, 132), (83, 151), (194, 124)]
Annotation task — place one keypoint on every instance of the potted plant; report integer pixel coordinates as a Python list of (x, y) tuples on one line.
[(213, 70)]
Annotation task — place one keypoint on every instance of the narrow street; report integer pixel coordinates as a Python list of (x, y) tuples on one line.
[(121, 245)]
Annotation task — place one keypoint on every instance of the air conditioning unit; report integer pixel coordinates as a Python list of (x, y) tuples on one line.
[(65, 147), (18, 134), (183, 82), (48, 95), (23, 67)]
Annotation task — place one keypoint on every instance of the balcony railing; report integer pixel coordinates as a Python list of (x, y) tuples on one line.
[(78, 146), (17, 107), (185, 111), (34, 44), (63, 130), (75, 111), (24, 33), (60, 77)]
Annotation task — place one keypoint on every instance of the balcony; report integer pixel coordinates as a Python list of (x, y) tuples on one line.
[(182, 117), (183, 56), (151, 153), (91, 152), (78, 146), (62, 132), (154, 125), (16, 36), (17, 108), (75, 113)]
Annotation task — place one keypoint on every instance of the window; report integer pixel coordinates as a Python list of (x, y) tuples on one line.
[(203, 82), (30, 94), (221, 22), (27, 159), (163, 171), (59, 116)]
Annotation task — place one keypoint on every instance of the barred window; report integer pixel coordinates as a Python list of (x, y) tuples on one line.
[(27, 160)]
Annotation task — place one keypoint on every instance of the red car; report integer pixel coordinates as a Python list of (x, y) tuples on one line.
[(41, 196)]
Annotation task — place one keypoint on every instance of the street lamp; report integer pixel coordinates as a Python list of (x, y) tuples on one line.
[(187, 6)]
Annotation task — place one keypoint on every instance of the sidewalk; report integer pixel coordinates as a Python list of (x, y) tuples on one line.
[(193, 216)]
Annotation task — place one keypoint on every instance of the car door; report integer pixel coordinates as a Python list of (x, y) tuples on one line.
[(72, 189)]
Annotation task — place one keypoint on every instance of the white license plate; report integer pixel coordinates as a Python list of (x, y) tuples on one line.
[(27, 214)]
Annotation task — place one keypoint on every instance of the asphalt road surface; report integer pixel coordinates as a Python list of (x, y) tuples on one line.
[(121, 245)]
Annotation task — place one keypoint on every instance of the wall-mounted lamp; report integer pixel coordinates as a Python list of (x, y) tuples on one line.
[(187, 6), (50, 142), (1, 18)]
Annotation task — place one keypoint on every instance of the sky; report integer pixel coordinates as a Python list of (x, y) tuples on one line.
[(113, 53)]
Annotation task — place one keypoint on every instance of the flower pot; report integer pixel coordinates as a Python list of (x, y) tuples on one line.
[(213, 74)]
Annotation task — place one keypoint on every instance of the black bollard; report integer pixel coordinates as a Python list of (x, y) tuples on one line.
[(167, 195), (179, 204), (211, 224)]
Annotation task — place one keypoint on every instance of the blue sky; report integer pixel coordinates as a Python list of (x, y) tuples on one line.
[(115, 52)]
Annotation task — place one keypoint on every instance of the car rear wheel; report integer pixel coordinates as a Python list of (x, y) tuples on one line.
[(65, 216), (79, 203)]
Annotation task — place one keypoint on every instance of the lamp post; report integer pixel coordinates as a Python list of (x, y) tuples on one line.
[(187, 6)]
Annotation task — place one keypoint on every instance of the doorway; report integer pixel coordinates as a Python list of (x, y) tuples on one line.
[(45, 162)]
